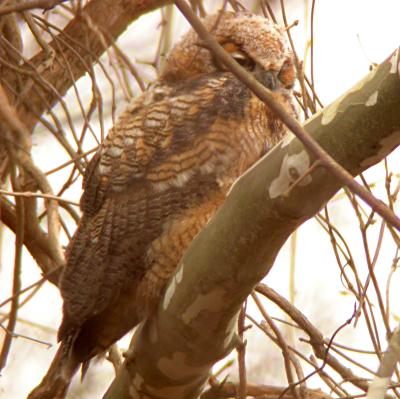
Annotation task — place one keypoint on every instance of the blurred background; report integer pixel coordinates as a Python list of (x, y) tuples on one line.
[(322, 266)]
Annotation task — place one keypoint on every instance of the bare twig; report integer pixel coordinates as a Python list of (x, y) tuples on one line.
[(242, 354), (16, 335), (29, 5), (28, 194), (282, 344), (10, 118), (226, 389), (19, 240), (316, 338)]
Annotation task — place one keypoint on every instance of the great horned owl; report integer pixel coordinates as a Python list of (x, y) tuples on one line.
[(160, 175)]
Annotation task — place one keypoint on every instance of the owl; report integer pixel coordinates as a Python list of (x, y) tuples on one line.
[(158, 178)]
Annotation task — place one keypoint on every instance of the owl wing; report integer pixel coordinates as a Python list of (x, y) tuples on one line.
[(166, 141), (139, 178)]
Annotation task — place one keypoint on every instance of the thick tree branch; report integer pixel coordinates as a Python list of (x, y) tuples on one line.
[(171, 355), (84, 39), (29, 5), (387, 366)]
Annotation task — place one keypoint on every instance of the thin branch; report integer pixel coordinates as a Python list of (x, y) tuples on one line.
[(12, 334), (29, 5), (316, 338), (230, 389), (242, 354), (282, 344), (9, 116), (16, 287), (29, 194), (35, 240)]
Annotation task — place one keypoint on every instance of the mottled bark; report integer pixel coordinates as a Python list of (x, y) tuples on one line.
[(171, 355), (387, 367)]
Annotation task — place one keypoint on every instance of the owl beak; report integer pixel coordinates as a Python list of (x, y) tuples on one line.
[(275, 79), (268, 78)]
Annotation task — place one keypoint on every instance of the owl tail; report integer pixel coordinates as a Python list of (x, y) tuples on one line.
[(58, 378)]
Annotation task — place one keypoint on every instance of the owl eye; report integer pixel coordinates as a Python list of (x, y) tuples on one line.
[(240, 56), (244, 60)]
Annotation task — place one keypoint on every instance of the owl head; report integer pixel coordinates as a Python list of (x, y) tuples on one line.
[(254, 42)]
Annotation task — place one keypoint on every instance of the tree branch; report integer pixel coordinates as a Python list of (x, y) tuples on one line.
[(387, 366), (171, 354), (29, 5), (36, 242), (85, 38)]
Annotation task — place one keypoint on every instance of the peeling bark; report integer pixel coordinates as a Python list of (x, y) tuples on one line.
[(172, 354)]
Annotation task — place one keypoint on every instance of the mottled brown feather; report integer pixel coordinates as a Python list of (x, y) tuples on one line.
[(161, 174), (173, 154)]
